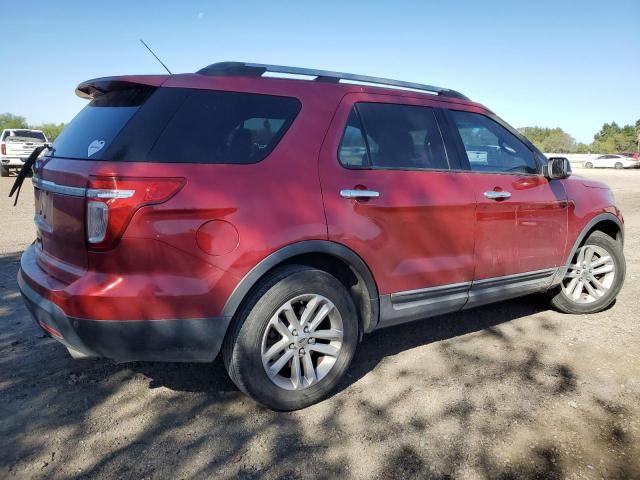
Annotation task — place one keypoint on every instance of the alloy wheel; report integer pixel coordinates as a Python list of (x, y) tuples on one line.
[(302, 341), (591, 276)]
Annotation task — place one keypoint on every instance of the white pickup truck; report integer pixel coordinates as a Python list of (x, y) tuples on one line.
[(16, 144)]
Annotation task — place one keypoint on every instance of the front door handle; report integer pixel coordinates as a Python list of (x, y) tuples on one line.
[(351, 193), (493, 195)]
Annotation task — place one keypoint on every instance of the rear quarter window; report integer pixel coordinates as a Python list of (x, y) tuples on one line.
[(224, 127)]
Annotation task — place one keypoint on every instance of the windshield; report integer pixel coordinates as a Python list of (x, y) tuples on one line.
[(26, 135)]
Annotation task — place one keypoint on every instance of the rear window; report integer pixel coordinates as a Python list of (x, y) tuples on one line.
[(180, 126), (26, 135), (93, 130)]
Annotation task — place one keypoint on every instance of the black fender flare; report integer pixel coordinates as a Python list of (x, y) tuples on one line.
[(337, 250)]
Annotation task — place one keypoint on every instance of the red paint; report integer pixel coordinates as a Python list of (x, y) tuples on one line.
[(217, 237), (522, 234), (418, 233), (183, 256)]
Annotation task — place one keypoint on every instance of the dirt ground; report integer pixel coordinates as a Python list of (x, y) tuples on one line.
[(508, 391)]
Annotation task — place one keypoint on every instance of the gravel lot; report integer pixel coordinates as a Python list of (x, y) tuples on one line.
[(508, 391)]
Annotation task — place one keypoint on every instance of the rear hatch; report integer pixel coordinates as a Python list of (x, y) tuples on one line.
[(21, 143), (128, 149), (63, 173)]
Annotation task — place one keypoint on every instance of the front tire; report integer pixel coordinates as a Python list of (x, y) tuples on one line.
[(294, 338), (588, 165), (618, 165), (594, 277)]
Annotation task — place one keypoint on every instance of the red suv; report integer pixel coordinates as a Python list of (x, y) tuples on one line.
[(279, 219)]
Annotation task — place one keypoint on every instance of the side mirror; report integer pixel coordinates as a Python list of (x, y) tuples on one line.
[(557, 167)]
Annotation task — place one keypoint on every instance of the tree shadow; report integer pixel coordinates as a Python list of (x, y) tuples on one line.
[(486, 376)]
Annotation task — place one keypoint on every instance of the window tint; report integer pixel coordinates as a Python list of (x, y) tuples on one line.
[(178, 126), (95, 127), (353, 149), (490, 147), (225, 127), (402, 136)]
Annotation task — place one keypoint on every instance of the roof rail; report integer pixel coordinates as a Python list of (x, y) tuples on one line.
[(258, 69)]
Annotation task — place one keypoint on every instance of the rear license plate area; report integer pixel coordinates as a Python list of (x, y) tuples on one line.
[(44, 211)]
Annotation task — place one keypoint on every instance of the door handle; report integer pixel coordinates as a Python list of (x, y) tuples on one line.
[(350, 193), (493, 195)]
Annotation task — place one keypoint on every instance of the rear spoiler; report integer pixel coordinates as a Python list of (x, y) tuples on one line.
[(99, 86)]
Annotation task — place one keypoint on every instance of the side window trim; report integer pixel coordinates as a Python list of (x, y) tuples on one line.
[(363, 130), (457, 139), (452, 142)]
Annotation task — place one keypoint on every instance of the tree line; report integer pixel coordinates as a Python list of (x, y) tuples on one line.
[(51, 130), (612, 138)]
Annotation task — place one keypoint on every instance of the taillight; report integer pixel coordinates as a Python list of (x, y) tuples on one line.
[(112, 201), (4, 149)]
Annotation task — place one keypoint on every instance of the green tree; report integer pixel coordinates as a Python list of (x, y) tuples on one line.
[(9, 120), (553, 140), (583, 148), (615, 139), (51, 130)]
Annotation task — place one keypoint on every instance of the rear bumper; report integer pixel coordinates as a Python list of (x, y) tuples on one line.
[(12, 162), (184, 340)]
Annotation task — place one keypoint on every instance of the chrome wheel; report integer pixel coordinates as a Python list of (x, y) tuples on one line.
[(591, 277), (302, 341)]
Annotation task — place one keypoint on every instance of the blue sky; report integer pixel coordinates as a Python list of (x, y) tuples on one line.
[(549, 63)]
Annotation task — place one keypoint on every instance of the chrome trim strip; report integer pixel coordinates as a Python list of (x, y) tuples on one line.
[(109, 193), (513, 278), (497, 289), (42, 225), (411, 297), (49, 186), (407, 306)]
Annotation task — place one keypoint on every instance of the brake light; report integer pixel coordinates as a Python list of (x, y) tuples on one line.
[(4, 149), (112, 201)]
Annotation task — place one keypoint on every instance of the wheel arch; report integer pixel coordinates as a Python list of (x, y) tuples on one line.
[(604, 222), (333, 257)]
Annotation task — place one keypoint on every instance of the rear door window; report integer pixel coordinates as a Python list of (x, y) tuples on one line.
[(391, 136)]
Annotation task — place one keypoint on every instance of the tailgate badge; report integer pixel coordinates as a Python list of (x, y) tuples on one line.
[(95, 147)]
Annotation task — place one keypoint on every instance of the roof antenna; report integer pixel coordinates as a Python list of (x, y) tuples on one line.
[(161, 63)]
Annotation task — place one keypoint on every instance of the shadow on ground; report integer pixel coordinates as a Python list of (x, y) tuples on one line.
[(471, 393)]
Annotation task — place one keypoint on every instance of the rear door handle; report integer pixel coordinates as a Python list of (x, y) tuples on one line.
[(493, 195), (349, 193)]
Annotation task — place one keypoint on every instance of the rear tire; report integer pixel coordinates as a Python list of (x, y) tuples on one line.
[(618, 165), (4, 172), (260, 338), (588, 165), (602, 287)]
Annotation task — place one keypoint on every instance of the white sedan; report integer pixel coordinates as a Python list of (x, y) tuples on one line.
[(612, 161)]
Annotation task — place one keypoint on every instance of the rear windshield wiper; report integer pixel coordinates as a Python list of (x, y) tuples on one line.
[(24, 171)]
